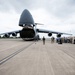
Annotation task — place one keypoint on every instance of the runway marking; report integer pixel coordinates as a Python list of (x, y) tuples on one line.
[(14, 54)]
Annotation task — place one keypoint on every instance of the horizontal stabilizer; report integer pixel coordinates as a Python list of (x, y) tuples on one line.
[(38, 24)]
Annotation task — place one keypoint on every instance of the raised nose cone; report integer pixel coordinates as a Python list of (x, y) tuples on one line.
[(26, 18)]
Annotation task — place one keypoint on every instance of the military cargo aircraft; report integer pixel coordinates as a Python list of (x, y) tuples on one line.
[(29, 30)]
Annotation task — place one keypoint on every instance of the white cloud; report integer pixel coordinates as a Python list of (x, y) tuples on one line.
[(9, 21), (57, 15)]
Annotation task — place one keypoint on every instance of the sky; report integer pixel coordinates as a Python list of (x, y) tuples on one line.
[(56, 15)]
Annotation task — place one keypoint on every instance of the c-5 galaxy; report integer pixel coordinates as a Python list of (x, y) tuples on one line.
[(29, 30)]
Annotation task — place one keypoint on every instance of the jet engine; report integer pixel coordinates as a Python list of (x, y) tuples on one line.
[(49, 34), (7, 35), (58, 35), (14, 34)]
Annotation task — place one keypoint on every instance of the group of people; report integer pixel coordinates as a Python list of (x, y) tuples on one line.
[(52, 40), (59, 41)]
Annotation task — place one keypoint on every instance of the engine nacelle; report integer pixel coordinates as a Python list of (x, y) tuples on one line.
[(58, 35), (14, 34), (7, 35), (49, 34)]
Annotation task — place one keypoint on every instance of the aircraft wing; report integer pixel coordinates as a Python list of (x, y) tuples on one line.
[(49, 31), (17, 31)]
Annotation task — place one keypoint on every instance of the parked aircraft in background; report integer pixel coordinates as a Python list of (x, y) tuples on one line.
[(29, 31)]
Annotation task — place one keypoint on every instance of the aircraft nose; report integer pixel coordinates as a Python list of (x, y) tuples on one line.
[(26, 18)]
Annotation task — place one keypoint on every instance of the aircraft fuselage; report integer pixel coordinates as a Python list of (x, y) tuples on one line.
[(29, 30)]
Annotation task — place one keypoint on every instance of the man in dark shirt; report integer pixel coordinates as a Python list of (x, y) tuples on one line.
[(43, 40)]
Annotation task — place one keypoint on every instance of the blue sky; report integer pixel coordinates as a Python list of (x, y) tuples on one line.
[(57, 15)]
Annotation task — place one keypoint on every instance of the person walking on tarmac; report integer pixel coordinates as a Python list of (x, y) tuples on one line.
[(43, 40)]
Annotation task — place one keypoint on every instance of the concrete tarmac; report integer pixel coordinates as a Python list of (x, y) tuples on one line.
[(19, 57)]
